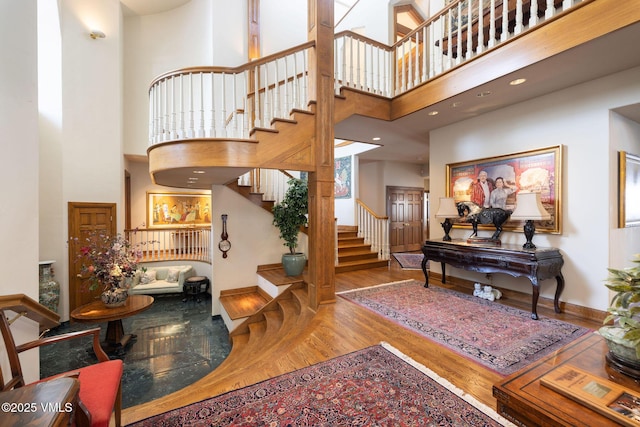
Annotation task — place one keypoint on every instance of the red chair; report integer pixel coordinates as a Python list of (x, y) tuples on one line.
[(100, 384)]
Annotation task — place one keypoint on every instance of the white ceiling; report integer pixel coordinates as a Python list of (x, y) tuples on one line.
[(149, 7)]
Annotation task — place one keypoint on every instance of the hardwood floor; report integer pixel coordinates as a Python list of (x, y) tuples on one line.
[(337, 329)]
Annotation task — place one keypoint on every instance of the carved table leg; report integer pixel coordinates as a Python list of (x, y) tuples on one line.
[(534, 299), (559, 288), (424, 270), (444, 276)]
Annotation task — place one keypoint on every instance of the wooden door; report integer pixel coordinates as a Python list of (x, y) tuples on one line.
[(405, 211), (83, 219)]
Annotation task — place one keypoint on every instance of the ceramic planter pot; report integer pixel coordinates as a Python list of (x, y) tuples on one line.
[(294, 263), (622, 353)]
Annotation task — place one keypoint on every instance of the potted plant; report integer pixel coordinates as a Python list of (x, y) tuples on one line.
[(623, 335), (289, 215)]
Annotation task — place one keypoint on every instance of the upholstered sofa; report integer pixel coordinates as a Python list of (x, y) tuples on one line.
[(161, 280)]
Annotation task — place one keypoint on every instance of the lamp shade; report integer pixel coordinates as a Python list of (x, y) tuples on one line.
[(447, 208), (529, 206)]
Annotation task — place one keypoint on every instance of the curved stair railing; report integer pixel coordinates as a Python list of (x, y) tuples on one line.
[(272, 184), (219, 102), (230, 103)]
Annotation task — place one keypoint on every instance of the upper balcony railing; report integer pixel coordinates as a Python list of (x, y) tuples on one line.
[(217, 102)]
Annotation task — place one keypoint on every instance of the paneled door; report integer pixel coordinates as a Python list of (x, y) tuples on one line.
[(83, 219), (405, 211)]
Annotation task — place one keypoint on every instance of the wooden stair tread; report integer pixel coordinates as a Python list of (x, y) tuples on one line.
[(278, 277), (244, 304)]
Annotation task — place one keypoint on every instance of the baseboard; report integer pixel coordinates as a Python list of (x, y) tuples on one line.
[(568, 308)]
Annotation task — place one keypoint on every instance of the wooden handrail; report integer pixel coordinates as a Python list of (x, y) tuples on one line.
[(368, 209), (233, 70), (28, 307)]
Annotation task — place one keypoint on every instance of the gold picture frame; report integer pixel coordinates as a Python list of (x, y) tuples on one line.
[(170, 210), (628, 190), (537, 170)]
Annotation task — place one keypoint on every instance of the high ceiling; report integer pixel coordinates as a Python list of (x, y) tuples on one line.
[(407, 139)]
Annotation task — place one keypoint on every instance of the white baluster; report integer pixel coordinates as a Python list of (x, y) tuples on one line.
[(212, 125), (182, 126), (201, 124), (469, 13), (505, 22), (533, 15), (223, 107), (519, 17), (191, 110), (492, 24), (480, 46)]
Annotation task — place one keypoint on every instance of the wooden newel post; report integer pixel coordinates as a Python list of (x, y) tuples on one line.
[(321, 182)]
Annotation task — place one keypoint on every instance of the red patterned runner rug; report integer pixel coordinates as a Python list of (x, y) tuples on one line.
[(376, 386), (499, 337)]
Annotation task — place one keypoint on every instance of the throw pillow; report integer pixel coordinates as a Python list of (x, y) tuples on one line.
[(172, 275), (148, 277)]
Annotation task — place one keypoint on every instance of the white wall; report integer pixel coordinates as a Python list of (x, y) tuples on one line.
[(282, 27), (579, 119), (375, 177), (623, 242), (19, 172), (83, 149), (180, 38), (254, 241)]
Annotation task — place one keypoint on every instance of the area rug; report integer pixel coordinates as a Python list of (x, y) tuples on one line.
[(409, 261), (501, 338), (376, 386)]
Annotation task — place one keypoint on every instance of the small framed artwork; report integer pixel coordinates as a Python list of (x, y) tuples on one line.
[(166, 210), (342, 178), (629, 190), (538, 171)]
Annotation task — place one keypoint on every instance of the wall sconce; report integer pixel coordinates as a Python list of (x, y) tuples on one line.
[(529, 208), (95, 34), (446, 210)]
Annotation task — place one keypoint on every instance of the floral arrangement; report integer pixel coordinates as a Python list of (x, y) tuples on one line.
[(108, 260)]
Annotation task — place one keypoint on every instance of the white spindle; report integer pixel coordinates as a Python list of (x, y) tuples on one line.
[(492, 24), (519, 17), (469, 26), (505, 23), (174, 109), (480, 46)]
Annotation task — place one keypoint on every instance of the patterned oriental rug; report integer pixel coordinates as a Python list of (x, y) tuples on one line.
[(409, 261), (499, 337), (376, 386)]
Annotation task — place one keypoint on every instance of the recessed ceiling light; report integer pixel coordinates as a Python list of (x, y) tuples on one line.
[(192, 179), (375, 138), (483, 94), (517, 82), (456, 104), (198, 171), (432, 113)]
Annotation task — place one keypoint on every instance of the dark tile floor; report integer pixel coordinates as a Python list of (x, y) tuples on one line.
[(177, 344)]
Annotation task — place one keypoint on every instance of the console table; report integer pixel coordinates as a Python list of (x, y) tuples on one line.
[(536, 264)]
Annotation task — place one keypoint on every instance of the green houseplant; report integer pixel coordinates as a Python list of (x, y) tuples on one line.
[(289, 215), (623, 335)]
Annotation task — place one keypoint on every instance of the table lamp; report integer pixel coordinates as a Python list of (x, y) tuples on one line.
[(447, 210), (529, 208)]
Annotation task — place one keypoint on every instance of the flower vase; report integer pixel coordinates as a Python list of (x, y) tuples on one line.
[(49, 288), (114, 297)]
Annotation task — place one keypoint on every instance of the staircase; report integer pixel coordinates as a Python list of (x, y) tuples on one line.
[(274, 323), (354, 253)]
